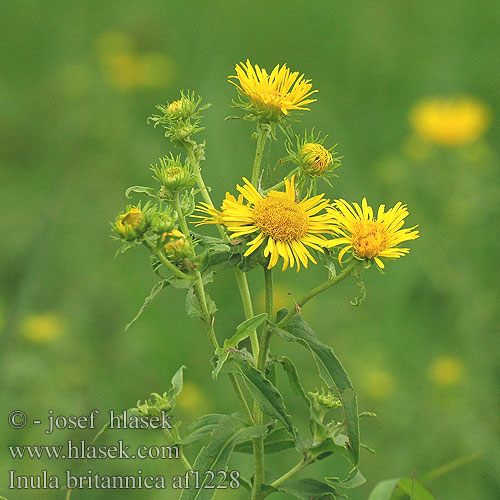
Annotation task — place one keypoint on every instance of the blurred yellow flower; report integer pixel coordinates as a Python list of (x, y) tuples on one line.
[(43, 327), (279, 92), (446, 370), (282, 298), (379, 384), (450, 121), (127, 69), (192, 398)]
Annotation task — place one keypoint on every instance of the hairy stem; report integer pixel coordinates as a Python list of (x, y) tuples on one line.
[(165, 261), (263, 132), (303, 463), (353, 265), (258, 445)]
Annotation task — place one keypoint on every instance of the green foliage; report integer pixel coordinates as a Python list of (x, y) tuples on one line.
[(385, 490)]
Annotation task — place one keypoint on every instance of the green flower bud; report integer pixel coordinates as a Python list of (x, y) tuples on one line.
[(173, 175), (161, 222), (154, 406)]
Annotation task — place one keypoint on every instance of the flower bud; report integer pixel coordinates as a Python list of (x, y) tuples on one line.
[(161, 222), (177, 246), (154, 406), (131, 224), (173, 175), (314, 159)]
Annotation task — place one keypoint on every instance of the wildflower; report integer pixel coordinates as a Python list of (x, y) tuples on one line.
[(192, 397), (282, 225), (450, 121), (131, 224), (177, 246), (273, 95), (446, 370), (367, 236), (43, 327)]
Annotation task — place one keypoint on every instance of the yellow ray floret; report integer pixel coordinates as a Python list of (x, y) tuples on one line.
[(370, 237), (280, 91), (284, 227)]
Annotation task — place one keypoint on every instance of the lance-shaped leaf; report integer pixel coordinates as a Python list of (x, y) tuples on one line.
[(267, 396), (331, 370), (293, 379), (243, 331), (201, 428), (215, 455), (154, 292), (277, 440), (305, 489), (353, 480), (414, 489)]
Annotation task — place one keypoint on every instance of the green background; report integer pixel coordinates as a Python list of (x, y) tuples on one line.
[(77, 81)]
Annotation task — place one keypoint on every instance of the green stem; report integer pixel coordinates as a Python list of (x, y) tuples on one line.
[(263, 131), (258, 445), (165, 261), (246, 299), (266, 335), (282, 183), (207, 318), (355, 264), (183, 458), (303, 463), (241, 397), (180, 216)]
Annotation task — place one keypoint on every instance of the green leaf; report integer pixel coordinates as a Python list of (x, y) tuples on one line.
[(332, 372), (384, 489), (141, 189), (353, 480), (193, 308), (410, 487), (177, 383), (154, 292), (293, 379), (305, 489), (201, 428), (267, 396), (274, 442), (215, 455), (243, 331)]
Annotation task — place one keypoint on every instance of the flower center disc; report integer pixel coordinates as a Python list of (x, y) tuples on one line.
[(282, 219), (369, 238)]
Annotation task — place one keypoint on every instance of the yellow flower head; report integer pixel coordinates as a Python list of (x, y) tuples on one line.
[(284, 226), (446, 370), (316, 158), (450, 121), (44, 327), (278, 93), (367, 236), (131, 224)]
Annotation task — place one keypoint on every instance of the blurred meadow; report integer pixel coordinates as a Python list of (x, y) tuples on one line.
[(408, 90)]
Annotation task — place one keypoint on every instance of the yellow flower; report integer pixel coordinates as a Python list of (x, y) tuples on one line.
[(367, 236), (379, 384), (278, 92), (446, 370), (131, 224), (284, 226), (316, 158), (42, 327), (191, 398), (450, 121)]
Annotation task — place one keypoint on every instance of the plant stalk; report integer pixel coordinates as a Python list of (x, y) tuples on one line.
[(263, 131), (351, 267)]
